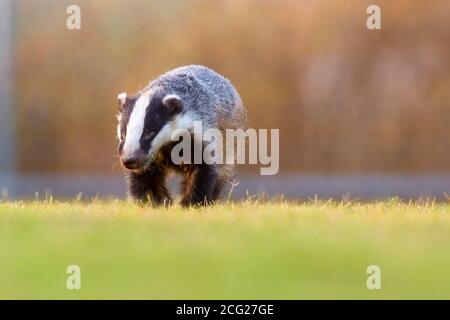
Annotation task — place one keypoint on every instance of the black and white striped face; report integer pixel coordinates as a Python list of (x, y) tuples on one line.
[(145, 124)]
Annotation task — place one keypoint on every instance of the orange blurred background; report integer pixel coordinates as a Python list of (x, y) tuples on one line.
[(345, 98)]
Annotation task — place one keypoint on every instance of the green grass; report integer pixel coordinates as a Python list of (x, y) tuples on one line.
[(258, 251)]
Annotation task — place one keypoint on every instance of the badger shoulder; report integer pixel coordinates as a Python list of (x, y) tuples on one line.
[(195, 80), (207, 95)]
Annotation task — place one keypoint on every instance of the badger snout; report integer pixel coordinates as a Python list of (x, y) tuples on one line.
[(135, 161)]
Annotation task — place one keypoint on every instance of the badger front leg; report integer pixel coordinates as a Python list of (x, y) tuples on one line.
[(199, 186), (149, 187)]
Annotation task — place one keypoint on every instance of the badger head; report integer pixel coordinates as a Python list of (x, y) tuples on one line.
[(145, 124)]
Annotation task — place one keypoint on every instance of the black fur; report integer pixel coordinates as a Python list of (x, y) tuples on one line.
[(201, 184), (149, 186), (156, 117)]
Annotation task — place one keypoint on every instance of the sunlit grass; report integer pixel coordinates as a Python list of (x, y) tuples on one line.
[(237, 250)]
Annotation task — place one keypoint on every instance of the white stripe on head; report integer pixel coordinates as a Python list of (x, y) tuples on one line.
[(119, 118), (135, 125)]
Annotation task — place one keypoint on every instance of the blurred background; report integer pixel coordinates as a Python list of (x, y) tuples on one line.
[(362, 113)]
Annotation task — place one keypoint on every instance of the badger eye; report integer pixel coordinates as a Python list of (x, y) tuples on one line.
[(148, 134), (122, 134)]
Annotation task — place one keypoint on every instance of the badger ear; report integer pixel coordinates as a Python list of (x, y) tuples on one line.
[(121, 98), (173, 103)]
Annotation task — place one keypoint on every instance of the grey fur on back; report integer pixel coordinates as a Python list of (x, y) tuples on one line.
[(206, 95)]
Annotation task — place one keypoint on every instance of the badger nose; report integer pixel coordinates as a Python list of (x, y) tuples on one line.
[(134, 160), (131, 163)]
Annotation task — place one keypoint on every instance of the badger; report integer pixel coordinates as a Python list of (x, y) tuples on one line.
[(147, 119)]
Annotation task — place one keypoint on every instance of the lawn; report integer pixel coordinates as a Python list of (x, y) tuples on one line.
[(273, 250)]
